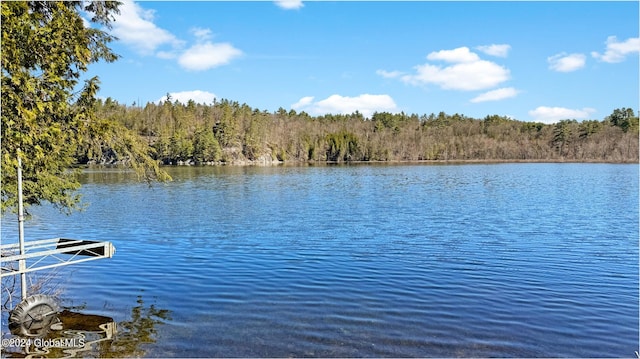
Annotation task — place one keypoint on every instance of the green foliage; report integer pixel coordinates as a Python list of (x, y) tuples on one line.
[(342, 146), (532, 127), (384, 120), (588, 128), (110, 142), (442, 120), (45, 118), (205, 146), (290, 136), (624, 118), (227, 128), (563, 135), (180, 146), (45, 47)]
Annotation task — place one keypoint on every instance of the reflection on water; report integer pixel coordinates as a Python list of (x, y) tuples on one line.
[(76, 334), (508, 260), (134, 333)]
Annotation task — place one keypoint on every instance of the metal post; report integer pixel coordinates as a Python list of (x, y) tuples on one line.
[(22, 263)]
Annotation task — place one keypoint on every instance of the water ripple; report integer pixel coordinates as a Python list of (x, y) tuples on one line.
[(523, 260)]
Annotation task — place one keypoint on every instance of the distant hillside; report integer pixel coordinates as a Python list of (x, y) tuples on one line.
[(229, 132)]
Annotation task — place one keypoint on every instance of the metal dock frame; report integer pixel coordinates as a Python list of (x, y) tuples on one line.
[(74, 251)]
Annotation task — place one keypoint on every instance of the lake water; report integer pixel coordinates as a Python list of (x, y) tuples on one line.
[(507, 260)]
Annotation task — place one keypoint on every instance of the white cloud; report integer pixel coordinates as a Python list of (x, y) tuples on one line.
[(302, 103), (208, 55), (289, 4), (467, 72), (461, 54), (389, 74), (134, 26), (554, 114), (501, 50), (616, 51), (197, 96), (566, 63), (496, 95), (202, 34), (471, 76), (366, 104), (205, 54)]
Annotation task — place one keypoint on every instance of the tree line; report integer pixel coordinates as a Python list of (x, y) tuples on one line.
[(229, 132), (51, 121)]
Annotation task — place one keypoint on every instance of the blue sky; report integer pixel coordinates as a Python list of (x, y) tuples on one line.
[(532, 61)]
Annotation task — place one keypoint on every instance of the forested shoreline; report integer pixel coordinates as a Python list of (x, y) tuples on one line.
[(226, 132), (51, 122)]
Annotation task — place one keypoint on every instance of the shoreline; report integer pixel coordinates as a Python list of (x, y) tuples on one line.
[(390, 162), (455, 161)]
